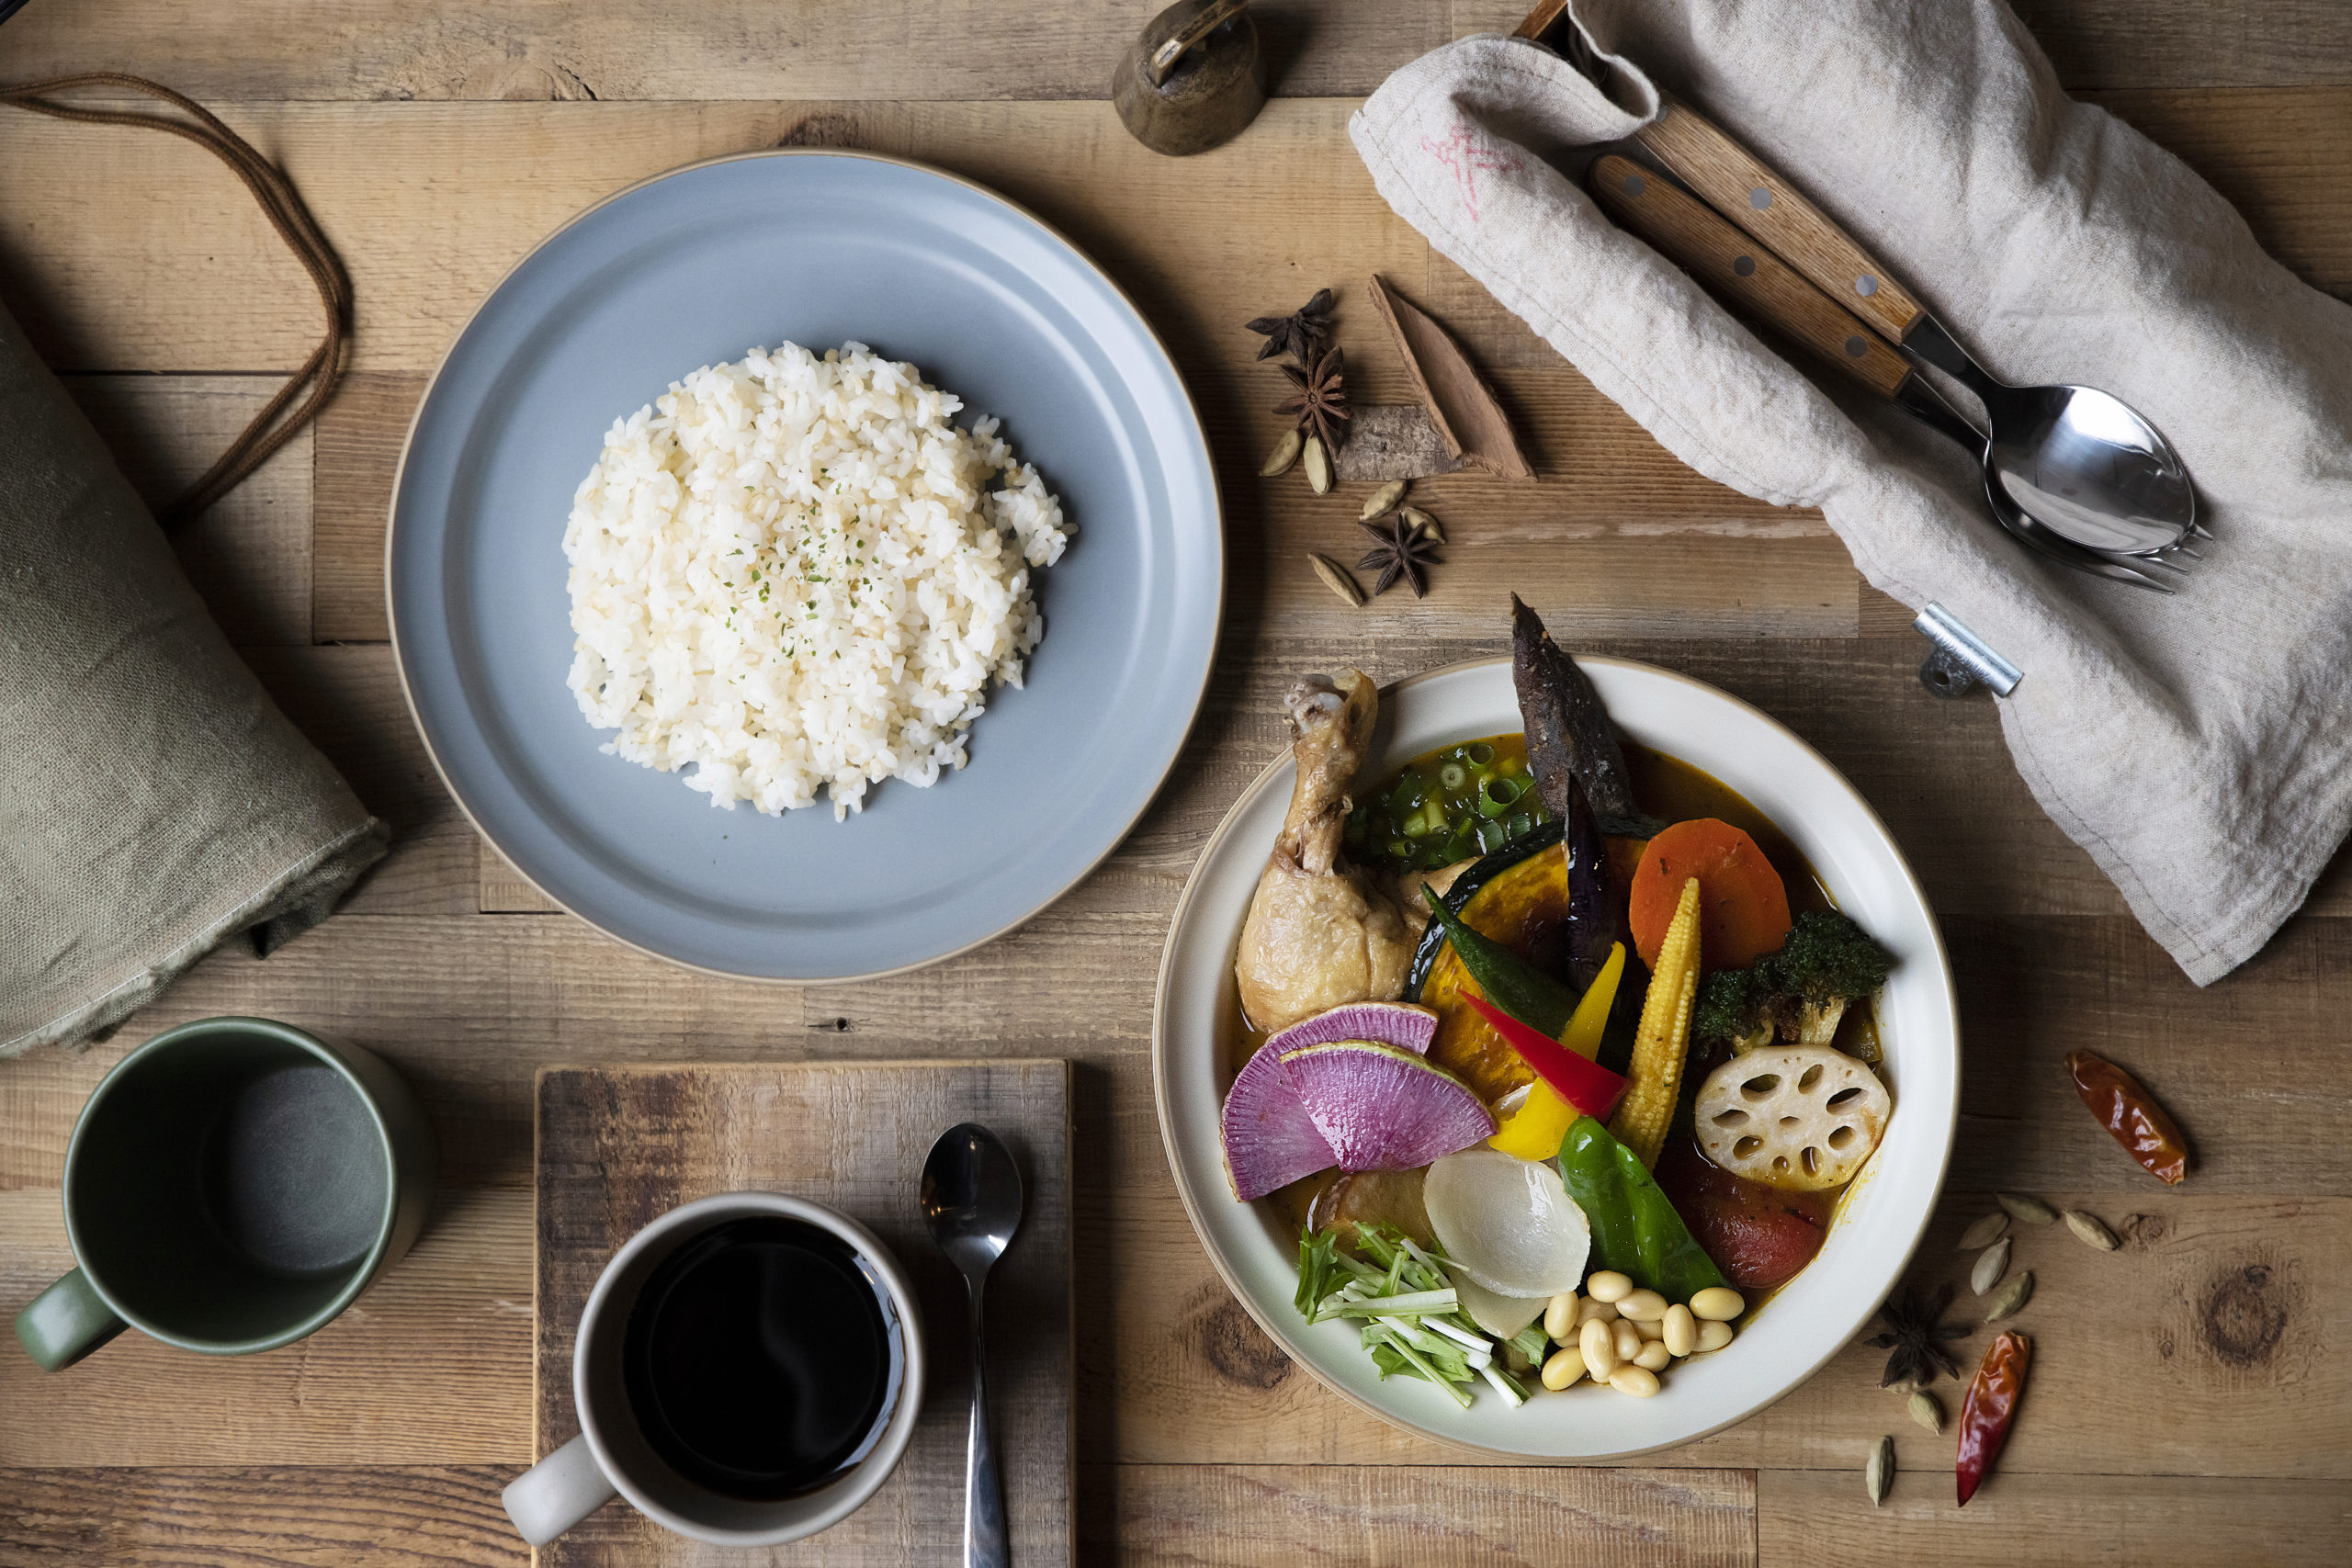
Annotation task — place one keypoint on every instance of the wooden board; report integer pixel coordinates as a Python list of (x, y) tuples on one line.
[(618, 1147)]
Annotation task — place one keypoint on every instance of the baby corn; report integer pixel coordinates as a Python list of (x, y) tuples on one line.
[(1664, 1039)]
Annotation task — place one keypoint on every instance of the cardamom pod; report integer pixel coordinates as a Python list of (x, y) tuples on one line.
[(1421, 521), (1318, 467), (2026, 1207), (1383, 498), (2014, 1294), (1878, 1475), (1335, 578), (1984, 1232), (1284, 454), (1927, 1412), (1991, 1264), (2088, 1230)]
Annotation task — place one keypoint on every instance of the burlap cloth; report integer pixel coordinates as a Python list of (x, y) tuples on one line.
[(153, 799), (2199, 747)]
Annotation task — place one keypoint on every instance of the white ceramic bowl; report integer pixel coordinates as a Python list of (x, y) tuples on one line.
[(1876, 1229)]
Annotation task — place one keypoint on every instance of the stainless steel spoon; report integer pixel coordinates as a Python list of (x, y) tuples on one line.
[(1696, 238), (971, 1199), (2082, 465)]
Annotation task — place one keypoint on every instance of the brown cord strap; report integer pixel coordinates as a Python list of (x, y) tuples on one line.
[(295, 225)]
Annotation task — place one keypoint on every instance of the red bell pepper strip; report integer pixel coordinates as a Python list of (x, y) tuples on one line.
[(1990, 1406), (1586, 1085)]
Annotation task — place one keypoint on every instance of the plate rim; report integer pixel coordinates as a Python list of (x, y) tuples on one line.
[(1159, 1053), (1199, 430)]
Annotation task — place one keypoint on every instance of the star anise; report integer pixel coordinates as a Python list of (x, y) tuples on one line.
[(1403, 550), (1301, 335), (1319, 398), (1915, 1334)]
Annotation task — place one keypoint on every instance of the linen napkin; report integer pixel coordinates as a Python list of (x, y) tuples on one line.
[(153, 799), (2199, 747)]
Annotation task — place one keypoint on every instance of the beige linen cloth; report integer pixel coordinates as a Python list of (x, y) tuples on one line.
[(2197, 746), (153, 799)]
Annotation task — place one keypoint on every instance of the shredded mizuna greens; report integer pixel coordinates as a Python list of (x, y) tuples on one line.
[(1412, 1320)]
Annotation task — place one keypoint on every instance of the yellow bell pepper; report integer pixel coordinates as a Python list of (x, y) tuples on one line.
[(1535, 1130)]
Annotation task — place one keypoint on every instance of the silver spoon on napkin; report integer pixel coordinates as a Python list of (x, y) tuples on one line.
[(971, 1199), (1694, 237), (2078, 464)]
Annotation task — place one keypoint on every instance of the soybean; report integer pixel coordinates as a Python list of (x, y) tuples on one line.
[(1590, 1311), (1713, 1336), (1627, 1339), (1645, 1304), (1682, 1331), (1560, 1317), (1609, 1286), (1598, 1350), (1564, 1368), (1650, 1330), (1717, 1304), (1654, 1357), (1639, 1381)]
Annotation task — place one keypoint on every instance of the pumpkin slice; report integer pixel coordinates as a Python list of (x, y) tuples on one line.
[(1513, 897)]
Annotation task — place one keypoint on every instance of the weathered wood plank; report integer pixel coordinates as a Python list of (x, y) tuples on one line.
[(617, 1147), (348, 702), (728, 48), (358, 1516), (500, 889), (359, 438), (1821, 1519), (1433, 1517), (432, 1367), (250, 555), (2174, 1355)]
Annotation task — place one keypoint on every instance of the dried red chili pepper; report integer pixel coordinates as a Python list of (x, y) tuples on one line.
[(2124, 1108), (1990, 1406)]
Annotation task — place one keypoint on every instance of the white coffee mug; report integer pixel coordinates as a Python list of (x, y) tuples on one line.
[(611, 1456)]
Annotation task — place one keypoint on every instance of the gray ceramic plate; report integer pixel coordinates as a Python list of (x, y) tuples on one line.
[(697, 267)]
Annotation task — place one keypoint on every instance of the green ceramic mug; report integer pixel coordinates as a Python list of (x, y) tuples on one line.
[(232, 1185)]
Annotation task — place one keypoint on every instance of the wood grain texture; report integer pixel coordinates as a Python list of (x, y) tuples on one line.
[(1750, 278), (260, 1517), (1821, 1519), (723, 49), (431, 1367), (1234, 1515), (1760, 199), (249, 556), (619, 1148)]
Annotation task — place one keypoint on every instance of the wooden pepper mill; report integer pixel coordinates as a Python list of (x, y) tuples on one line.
[(1192, 79)]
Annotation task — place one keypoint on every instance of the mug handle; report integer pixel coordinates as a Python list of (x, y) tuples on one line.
[(66, 1322), (556, 1492)]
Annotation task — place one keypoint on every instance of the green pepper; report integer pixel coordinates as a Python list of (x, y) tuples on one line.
[(1511, 982), (1635, 1228)]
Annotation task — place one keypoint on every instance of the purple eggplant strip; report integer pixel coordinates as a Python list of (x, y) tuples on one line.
[(1593, 921), (1570, 738)]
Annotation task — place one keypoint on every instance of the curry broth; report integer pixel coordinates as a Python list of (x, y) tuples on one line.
[(1665, 786)]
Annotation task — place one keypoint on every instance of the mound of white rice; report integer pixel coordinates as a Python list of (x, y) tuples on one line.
[(794, 573)]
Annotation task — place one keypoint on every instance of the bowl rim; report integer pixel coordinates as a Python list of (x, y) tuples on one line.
[(1266, 777)]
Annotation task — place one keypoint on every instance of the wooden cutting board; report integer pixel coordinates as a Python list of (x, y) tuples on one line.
[(618, 1146)]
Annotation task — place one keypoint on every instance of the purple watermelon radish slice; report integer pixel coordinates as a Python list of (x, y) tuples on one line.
[(1385, 1109), (1270, 1141), (1384, 1023)]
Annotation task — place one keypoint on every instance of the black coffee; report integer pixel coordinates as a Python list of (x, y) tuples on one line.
[(759, 1361)]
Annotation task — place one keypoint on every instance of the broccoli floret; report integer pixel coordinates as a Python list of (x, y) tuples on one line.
[(1799, 993)]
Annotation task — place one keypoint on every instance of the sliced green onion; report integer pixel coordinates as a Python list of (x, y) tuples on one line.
[(1411, 1303), (1481, 753), (1453, 775), (1492, 836), (1520, 825)]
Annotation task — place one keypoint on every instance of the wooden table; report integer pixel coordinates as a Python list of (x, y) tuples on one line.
[(2192, 1393)]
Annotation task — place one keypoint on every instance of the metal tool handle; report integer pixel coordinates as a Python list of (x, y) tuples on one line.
[(1754, 195), (986, 1542), (1695, 238), (1172, 49)]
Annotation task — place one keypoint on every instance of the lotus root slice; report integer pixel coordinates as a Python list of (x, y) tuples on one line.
[(1797, 1117)]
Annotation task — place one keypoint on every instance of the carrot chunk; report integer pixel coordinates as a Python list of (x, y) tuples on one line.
[(1743, 907)]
